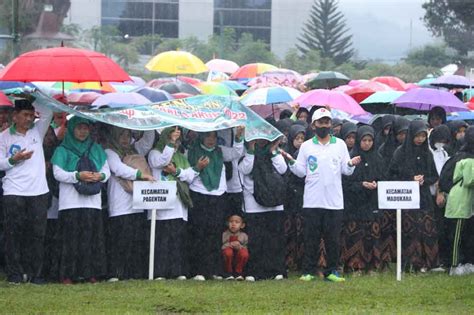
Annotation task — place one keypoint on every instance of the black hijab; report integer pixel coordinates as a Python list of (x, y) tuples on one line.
[(387, 149), (455, 144), (440, 134), (370, 166), (294, 131), (438, 112), (347, 129), (413, 154), (387, 121)]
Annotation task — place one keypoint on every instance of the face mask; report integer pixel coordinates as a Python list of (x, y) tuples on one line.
[(439, 145), (206, 148), (322, 132)]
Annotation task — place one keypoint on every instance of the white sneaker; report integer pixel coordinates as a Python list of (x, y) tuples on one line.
[(229, 278), (181, 278), (160, 279), (113, 280), (457, 271), (279, 277), (250, 279), (217, 277), (423, 270), (199, 278), (240, 278), (469, 268)]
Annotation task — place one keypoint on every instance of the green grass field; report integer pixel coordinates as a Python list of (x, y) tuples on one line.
[(416, 294)]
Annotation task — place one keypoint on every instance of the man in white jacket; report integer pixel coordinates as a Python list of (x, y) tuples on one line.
[(25, 192), (322, 160)]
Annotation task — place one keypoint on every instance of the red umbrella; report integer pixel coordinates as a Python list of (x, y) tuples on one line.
[(63, 64), (361, 92), (4, 101), (251, 70), (393, 82), (181, 95)]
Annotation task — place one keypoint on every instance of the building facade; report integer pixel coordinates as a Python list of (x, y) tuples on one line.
[(276, 22)]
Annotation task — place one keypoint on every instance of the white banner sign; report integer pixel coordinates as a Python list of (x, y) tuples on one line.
[(158, 195), (399, 195)]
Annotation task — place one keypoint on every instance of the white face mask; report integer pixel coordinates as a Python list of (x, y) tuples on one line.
[(439, 145)]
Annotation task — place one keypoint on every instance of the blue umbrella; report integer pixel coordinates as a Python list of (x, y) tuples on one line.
[(6, 85), (154, 95), (461, 116), (235, 85)]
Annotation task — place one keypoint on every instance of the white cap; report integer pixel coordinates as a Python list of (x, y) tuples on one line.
[(321, 113)]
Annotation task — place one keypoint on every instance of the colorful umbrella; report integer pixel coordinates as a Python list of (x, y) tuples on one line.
[(271, 95), (192, 81), (82, 98), (154, 95), (393, 82), (327, 80), (252, 70), (181, 95), (176, 62), (452, 81), (63, 64), (116, 100), (361, 92), (215, 88), (270, 111), (222, 65), (333, 99), (101, 87), (6, 85), (425, 99), (5, 101)]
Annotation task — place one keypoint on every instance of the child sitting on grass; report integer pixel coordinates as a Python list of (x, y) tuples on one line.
[(234, 248)]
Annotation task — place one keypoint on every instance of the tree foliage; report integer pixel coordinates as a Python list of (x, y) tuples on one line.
[(453, 20), (430, 56), (326, 31)]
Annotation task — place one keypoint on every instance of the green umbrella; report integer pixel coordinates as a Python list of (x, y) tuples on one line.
[(327, 80), (382, 97)]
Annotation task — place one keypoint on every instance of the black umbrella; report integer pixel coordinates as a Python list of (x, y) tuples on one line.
[(327, 80)]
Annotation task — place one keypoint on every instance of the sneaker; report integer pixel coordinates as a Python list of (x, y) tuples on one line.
[(469, 268), (66, 281), (38, 281), (239, 278), (160, 279), (460, 270), (217, 277), (199, 278), (279, 277), (423, 270), (250, 279), (15, 279), (307, 277), (438, 269), (181, 278), (229, 278), (335, 277), (113, 280)]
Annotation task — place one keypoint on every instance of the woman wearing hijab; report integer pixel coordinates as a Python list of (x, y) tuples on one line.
[(127, 246), (294, 203), (348, 134), (169, 164), (336, 127), (361, 234), (413, 161), (207, 217), (439, 138), (284, 125), (264, 223), (80, 218), (458, 129), (382, 134)]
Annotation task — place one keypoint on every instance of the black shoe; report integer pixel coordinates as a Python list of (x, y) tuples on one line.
[(15, 279), (38, 281)]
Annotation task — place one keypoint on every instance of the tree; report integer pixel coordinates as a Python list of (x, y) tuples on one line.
[(251, 51), (430, 55), (453, 20), (326, 31)]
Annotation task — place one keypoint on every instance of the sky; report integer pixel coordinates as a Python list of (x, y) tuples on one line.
[(381, 28)]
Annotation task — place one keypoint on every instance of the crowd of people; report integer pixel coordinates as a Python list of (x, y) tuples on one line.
[(244, 210)]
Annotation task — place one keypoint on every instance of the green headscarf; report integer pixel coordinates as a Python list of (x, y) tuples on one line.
[(113, 142), (70, 150), (211, 174), (180, 161)]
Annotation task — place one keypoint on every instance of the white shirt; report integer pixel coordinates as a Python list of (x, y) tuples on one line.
[(69, 198), (120, 201), (440, 156), (228, 154), (28, 177), (323, 165), (245, 168), (157, 161)]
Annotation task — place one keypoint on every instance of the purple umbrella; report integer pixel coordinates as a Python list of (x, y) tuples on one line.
[(452, 81), (425, 99), (116, 100)]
